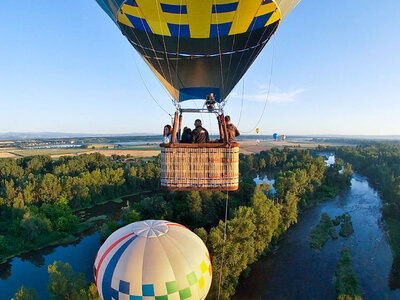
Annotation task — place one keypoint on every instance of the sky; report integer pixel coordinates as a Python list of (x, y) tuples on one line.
[(65, 67)]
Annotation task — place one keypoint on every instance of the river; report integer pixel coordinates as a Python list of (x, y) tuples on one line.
[(294, 271)]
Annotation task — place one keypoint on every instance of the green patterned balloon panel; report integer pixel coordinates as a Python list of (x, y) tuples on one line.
[(198, 46), (151, 259)]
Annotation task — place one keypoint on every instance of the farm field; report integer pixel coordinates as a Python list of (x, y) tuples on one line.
[(152, 149)]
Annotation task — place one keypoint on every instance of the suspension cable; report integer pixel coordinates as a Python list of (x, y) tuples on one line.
[(241, 105), (220, 51), (164, 45), (223, 246), (269, 89), (152, 46), (146, 87)]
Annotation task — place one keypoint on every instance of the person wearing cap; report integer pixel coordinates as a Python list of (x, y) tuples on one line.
[(199, 134)]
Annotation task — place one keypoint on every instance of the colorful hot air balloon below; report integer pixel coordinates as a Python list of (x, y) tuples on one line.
[(257, 130), (153, 260)]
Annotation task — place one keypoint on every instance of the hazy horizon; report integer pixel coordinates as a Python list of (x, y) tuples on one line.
[(66, 135)]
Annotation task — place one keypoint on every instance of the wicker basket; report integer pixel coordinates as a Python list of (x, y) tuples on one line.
[(210, 166)]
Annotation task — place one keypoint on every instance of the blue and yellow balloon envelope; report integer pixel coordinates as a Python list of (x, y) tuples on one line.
[(197, 47)]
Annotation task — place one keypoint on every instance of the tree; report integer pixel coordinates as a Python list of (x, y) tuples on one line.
[(266, 220), (32, 227), (130, 216), (25, 294), (3, 244), (347, 170), (154, 207), (49, 188), (35, 164), (262, 164), (289, 210), (89, 293), (238, 250), (9, 190), (64, 283)]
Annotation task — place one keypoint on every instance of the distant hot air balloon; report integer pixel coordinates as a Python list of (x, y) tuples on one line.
[(153, 260), (275, 136), (257, 141)]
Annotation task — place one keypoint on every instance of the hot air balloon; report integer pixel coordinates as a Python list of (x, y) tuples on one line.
[(257, 141), (275, 136), (199, 50), (153, 260)]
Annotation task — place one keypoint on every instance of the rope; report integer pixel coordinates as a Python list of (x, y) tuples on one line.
[(151, 45), (146, 55), (220, 52), (177, 46), (209, 119), (249, 62), (148, 90), (241, 105), (223, 246), (268, 91), (163, 39), (241, 56)]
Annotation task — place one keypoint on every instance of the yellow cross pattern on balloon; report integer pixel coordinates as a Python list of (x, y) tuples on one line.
[(198, 19)]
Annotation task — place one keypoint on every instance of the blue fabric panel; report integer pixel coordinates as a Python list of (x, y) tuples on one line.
[(222, 29), (114, 294), (139, 23), (131, 297), (198, 93), (174, 9), (131, 3), (266, 2), (259, 22), (108, 291), (124, 287), (221, 8), (148, 290), (179, 30)]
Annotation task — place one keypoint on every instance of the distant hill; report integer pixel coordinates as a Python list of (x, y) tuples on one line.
[(13, 136)]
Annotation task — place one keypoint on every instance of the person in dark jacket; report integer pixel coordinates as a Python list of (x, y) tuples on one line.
[(186, 135), (199, 134), (231, 130)]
